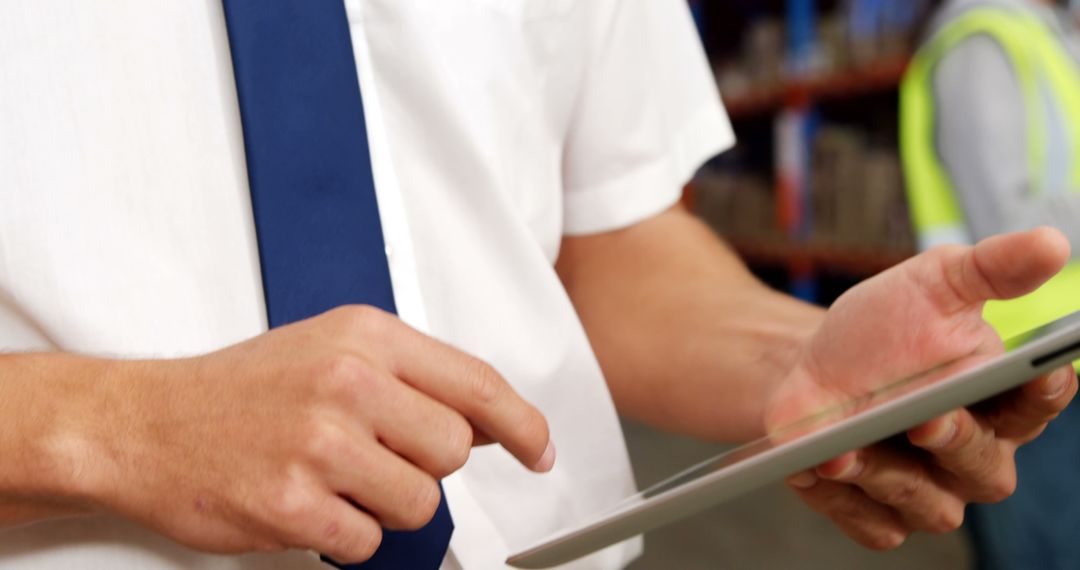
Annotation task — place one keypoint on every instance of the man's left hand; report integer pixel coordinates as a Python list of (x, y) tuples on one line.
[(923, 314)]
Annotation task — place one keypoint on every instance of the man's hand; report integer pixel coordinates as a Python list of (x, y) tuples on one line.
[(922, 314), (692, 343), (311, 436)]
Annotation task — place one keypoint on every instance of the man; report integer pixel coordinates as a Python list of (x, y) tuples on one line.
[(991, 122), (526, 158)]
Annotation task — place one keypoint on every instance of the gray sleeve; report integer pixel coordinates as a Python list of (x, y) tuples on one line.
[(982, 141)]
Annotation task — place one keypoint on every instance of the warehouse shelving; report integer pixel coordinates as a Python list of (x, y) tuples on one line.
[(788, 110), (847, 84)]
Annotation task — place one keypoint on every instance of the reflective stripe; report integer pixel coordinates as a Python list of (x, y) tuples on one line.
[(1038, 58), (930, 195), (930, 191)]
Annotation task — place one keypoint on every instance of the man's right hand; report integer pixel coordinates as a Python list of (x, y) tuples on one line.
[(311, 436)]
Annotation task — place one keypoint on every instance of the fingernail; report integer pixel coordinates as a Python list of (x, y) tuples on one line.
[(1056, 385), (894, 540), (804, 480), (944, 436), (852, 471), (547, 460)]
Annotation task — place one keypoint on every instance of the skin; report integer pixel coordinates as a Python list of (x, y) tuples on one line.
[(673, 315), (262, 446)]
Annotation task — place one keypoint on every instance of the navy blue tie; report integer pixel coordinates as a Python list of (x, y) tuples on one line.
[(312, 191)]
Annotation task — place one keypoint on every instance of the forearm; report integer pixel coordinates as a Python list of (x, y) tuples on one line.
[(688, 340), (47, 463)]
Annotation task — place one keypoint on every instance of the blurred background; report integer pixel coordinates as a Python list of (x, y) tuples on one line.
[(813, 194), (813, 197)]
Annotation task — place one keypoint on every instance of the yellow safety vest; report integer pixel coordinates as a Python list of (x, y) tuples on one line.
[(1036, 55)]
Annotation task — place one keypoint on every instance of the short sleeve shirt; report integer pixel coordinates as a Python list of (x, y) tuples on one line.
[(497, 127)]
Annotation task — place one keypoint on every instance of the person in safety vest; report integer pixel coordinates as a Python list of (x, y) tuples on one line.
[(990, 135)]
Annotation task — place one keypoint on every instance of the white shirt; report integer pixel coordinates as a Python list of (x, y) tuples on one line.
[(497, 127)]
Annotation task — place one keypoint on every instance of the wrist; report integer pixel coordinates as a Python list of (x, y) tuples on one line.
[(45, 437), (786, 362), (88, 422)]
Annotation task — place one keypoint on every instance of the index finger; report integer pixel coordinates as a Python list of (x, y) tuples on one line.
[(476, 390)]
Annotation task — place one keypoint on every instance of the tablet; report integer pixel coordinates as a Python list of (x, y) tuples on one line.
[(854, 424)]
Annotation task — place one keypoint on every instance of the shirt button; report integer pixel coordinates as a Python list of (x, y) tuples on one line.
[(389, 254)]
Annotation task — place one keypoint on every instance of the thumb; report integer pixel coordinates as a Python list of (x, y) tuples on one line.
[(1000, 267)]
